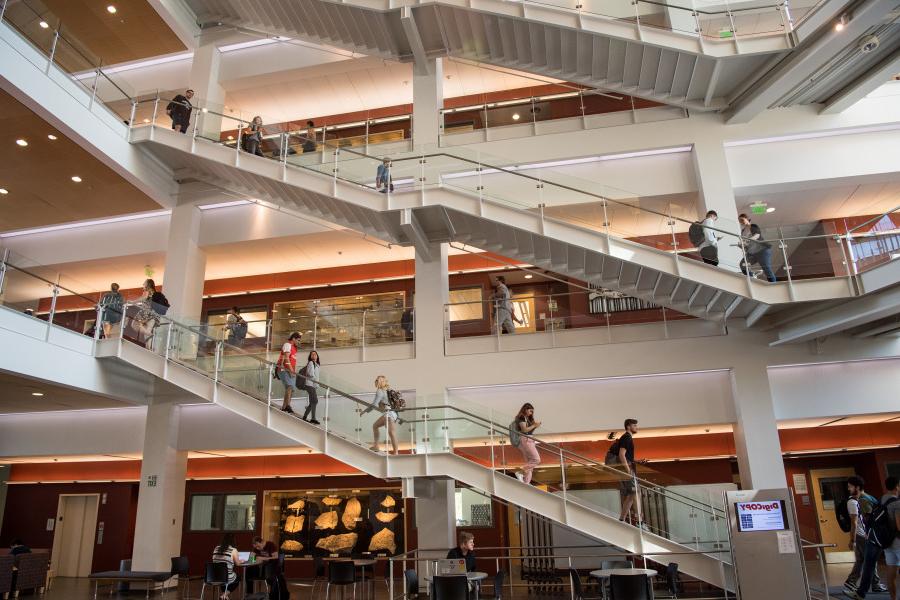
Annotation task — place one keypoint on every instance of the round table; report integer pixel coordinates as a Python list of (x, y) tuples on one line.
[(603, 573)]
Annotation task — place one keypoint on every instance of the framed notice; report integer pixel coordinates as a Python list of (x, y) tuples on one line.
[(760, 515)]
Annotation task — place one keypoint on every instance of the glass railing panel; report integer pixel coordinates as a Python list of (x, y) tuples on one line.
[(34, 22), (810, 257), (874, 242), (388, 326), (669, 16), (463, 119), (304, 149), (26, 293)]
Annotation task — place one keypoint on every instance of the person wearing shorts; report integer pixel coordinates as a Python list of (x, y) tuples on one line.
[(287, 369), (623, 450), (388, 420)]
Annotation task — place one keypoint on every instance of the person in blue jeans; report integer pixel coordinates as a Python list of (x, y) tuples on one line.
[(873, 550), (756, 249)]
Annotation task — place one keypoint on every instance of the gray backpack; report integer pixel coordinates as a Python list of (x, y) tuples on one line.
[(515, 436)]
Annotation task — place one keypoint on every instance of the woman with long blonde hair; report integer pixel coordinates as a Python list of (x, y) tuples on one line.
[(388, 419)]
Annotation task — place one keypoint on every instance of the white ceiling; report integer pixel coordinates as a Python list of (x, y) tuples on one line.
[(16, 397)]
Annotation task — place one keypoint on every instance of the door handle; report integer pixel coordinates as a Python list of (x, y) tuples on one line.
[(823, 520)]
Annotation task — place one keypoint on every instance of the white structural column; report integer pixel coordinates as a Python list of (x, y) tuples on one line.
[(157, 534), (435, 515), (185, 263), (431, 295), (208, 93), (756, 429), (717, 193), (428, 100)]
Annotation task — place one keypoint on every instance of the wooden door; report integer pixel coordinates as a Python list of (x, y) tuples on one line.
[(829, 488), (73, 544)]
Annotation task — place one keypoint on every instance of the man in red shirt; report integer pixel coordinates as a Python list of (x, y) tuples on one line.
[(287, 369)]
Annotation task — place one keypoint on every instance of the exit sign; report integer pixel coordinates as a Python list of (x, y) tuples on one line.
[(758, 209)]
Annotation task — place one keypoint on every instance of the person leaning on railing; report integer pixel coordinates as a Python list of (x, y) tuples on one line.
[(179, 109)]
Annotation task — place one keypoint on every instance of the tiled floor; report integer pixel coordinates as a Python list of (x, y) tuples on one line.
[(82, 589)]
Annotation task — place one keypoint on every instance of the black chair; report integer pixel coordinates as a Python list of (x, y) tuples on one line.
[(451, 587), (317, 578), (341, 573), (629, 587), (411, 578), (182, 568), (577, 589), (498, 585), (673, 583), (269, 576), (216, 577)]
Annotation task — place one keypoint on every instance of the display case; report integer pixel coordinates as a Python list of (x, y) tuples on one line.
[(332, 523)]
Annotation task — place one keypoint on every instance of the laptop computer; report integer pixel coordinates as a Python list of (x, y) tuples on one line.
[(244, 556), (451, 566)]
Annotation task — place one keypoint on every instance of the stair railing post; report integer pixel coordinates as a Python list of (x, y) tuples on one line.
[(605, 219), (131, 115), (218, 357), (552, 322), (562, 471), (52, 313), (425, 438), (271, 371), (786, 15), (52, 50), (98, 324), (3, 269), (155, 108), (168, 342), (237, 146), (327, 403), (94, 88), (363, 336), (497, 326), (787, 267), (315, 330)]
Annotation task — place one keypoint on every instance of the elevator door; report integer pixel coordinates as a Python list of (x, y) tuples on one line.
[(73, 541)]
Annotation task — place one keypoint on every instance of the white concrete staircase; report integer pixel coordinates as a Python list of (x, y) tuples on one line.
[(439, 208), (645, 49), (432, 441)]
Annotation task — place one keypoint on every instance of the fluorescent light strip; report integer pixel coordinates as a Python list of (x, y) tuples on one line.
[(225, 204), (141, 64), (81, 224), (813, 135)]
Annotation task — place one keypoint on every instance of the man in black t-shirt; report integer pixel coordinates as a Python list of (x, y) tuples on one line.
[(624, 453)]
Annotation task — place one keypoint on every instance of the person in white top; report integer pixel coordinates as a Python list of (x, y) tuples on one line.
[(503, 308), (309, 378), (709, 249), (388, 420)]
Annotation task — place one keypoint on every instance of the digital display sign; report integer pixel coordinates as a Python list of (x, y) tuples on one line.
[(761, 515)]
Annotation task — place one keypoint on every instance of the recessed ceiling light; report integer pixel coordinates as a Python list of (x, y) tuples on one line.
[(230, 137), (529, 276), (146, 120), (22, 142), (76, 178), (515, 116), (111, 9), (37, 393), (770, 209), (44, 24), (50, 136), (4, 191)]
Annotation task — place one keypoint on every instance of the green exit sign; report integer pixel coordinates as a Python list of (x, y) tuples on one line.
[(758, 209)]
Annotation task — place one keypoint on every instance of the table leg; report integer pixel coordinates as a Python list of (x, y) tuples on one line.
[(149, 585), (96, 583)]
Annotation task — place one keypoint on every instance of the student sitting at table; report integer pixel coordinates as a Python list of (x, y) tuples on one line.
[(465, 548), (266, 551), (226, 553)]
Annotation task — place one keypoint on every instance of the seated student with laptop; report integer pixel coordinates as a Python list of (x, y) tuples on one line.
[(465, 549)]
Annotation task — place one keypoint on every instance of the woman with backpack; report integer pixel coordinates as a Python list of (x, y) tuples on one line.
[(113, 305), (525, 425), (389, 418), (307, 381)]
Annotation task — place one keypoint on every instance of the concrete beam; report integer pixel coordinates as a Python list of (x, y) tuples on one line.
[(842, 317), (867, 83), (421, 62), (180, 19), (801, 64), (413, 230)]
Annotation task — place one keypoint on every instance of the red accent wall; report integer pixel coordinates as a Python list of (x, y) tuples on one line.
[(28, 507)]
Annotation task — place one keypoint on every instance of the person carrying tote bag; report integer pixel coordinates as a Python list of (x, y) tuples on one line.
[(307, 380)]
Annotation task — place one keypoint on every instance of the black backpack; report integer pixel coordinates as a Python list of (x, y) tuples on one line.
[(843, 516), (239, 329), (695, 233), (160, 303), (879, 525)]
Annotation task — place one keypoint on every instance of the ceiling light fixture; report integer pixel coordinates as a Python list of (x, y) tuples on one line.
[(44, 25), (76, 178), (51, 137), (515, 116), (4, 191), (37, 393), (111, 9), (22, 142), (146, 120), (770, 209), (529, 276), (842, 22)]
